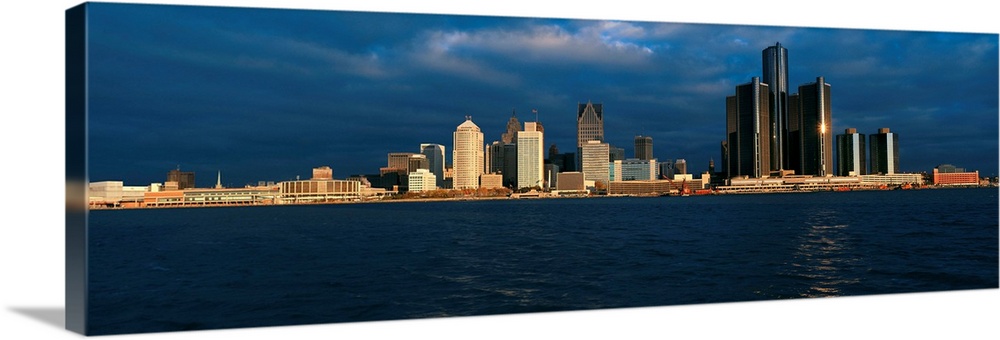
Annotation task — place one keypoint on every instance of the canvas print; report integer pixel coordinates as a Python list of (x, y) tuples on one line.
[(246, 167)]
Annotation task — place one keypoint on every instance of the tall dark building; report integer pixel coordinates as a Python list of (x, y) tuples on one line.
[(775, 75), (509, 166), (815, 128), (644, 147), (513, 126), (748, 138), (589, 123), (184, 179), (851, 154), (883, 148), (793, 139)]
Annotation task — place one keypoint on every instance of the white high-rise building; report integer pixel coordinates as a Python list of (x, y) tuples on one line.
[(435, 160), (530, 156), (594, 161), (467, 155)]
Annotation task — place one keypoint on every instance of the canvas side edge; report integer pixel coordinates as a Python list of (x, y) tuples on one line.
[(76, 169)]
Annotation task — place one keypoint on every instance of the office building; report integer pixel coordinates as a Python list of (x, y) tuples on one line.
[(490, 181), (570, 181), (947, 174), (775, 75), (513, 126), (851, 154), (815, 122), (615, 153), (417, 161), (399, 161), (530, 156), (680, 167), (748, 131), (643, 147), (422, 180), (594, 161), (184, 179), (435, 160), (634, 169), (883, 152), (467, 155), (589, 123)]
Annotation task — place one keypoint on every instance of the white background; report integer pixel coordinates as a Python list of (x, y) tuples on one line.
[(32, 239)]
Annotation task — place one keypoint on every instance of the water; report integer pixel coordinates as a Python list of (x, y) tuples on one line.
[(208, 268)]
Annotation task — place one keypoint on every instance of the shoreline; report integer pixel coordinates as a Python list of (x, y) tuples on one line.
[(498, 198)]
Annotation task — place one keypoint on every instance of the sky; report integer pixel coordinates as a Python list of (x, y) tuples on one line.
[(268, 94)]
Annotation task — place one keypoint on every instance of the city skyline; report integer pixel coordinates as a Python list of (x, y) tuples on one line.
[(269, 101)]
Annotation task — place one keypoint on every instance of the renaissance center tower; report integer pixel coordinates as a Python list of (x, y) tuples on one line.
[(775, 75)]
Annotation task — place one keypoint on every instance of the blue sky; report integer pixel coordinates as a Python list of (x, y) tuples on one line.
[(269, 94)]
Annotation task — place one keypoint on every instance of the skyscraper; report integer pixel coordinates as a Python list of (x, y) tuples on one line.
[(467, 155), (513, 126), (594, 161), (435, 161), (851, 153), (775, 75), (643, 147), (884, 152), (815, 128), (748, 138), (530, 156), (589, 123)]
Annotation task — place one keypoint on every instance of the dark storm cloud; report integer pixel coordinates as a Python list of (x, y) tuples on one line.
[(269, 94)]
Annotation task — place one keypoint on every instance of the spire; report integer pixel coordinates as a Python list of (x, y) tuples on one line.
[(218, 181)]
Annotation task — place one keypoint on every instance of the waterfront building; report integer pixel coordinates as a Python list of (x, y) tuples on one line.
[(570, 181), (634, 169), (893, 178), (594, 159), (435, 160), (323, 172), (491, 181), (815, 122), (775, 75), (184, 179), (422, 180), (748, 130), (530, 156), (114, 193), (315, 191), (947, 174), (643, 147), (589, 123), (261, 195), (883, 152), (851, 156), (467, 155)]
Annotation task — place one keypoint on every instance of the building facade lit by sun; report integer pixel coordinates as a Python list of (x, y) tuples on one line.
[(467, 155), (530, 156)]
